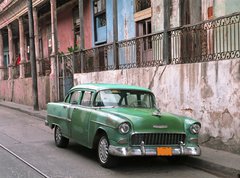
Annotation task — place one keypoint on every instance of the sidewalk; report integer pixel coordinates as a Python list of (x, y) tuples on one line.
[(24, 108), (221, 163)]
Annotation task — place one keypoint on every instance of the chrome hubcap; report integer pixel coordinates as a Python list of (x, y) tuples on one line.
[(103, 150), (58, 135)]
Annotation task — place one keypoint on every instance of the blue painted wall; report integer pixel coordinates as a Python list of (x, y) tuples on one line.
[(109, 16), (126, 24), (126, 30)]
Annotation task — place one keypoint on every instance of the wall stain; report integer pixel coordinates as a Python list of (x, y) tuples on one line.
[(181, 84), (216, 71), (151, 83), (226, 119), (206, 90), (235, 71)]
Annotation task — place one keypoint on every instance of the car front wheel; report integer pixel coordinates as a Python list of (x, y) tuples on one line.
[(105, 159), (60, 140)]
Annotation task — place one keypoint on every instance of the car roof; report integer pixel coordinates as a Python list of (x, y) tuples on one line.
[(104, 86)]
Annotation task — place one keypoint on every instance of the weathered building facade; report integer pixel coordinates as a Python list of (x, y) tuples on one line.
[(186, 51)]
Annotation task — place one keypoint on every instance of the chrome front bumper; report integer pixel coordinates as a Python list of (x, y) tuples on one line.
[(143, 151)]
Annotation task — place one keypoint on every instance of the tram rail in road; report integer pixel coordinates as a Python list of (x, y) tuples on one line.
[(25, 162)]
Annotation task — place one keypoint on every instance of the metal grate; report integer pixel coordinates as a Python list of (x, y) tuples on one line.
[(157, 138)]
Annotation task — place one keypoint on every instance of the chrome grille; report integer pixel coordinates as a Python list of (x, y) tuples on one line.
[(157, 138)]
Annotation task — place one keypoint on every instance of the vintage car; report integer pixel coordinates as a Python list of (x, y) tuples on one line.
[(120, 121)]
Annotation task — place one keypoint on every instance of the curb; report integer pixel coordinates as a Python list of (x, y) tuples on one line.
[(24, 111), (214, 168)]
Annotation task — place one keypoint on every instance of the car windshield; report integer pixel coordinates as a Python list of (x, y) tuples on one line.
[(124, 98)]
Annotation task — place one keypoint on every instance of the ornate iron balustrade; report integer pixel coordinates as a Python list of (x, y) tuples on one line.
[(28, 72), (44, 67), (65, 64), (212, 40), (98, 59), (208, 41), (144, 51), (5, 73), (16, 71)]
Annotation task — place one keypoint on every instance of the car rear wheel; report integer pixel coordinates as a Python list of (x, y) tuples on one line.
[(60, 140), (105, 159)]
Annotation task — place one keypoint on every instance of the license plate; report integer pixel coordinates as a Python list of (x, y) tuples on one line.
[(164, 151)]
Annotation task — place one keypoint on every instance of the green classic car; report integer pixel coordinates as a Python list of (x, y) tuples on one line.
[(120, 121)]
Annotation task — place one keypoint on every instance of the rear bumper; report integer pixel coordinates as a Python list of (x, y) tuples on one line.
[(143, 151)]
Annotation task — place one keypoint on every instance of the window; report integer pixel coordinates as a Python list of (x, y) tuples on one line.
[(75, 97), (76, 28), (100, 23), (142, 4), (124, 98), (86, 100), (144, 27)]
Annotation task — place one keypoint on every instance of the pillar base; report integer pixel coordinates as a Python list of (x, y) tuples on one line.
[(22, 70), (10, 73)]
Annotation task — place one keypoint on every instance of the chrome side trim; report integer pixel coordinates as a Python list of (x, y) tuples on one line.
[(143, 151)]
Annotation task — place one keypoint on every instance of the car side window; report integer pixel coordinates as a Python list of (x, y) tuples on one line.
[(67, 99), (75, 97), (87, 97)]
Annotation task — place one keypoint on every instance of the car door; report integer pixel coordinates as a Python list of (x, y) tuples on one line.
[(74, 101), (80, 118)]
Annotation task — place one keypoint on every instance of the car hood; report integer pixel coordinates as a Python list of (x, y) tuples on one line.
[(143, 120)]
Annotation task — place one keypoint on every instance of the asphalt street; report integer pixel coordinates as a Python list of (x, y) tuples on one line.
[(30, 139)]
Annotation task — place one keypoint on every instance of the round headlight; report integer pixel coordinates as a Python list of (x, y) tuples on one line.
[(124, 128), (195, 128)]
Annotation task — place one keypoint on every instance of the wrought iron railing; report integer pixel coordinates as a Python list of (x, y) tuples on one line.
[(15, 71), (5, 77), (212, 40), (207, 41), (144, 51), (44, 66), (98, 58), (27, 66), (65, 64)]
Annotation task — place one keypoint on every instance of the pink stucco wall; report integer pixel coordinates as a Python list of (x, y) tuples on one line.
[(20, 91), (65, 29), (87, 24)]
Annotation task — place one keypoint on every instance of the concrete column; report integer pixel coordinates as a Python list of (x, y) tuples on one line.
[(21, 44), (10, 48), (36, 41), (2, 67), (54, 91)]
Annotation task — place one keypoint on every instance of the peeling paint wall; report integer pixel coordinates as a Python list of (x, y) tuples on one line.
[(208, 92), (225, 7), (20, 91), (126, 23)]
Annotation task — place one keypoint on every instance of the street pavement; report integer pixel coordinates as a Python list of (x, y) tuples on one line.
[(219, 162)]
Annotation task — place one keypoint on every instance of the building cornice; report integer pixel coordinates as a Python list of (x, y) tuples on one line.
[(14, 10)]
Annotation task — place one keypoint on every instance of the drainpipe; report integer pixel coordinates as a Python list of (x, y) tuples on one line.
[(115, 34), (54, 87), (81, 17), (32, 57), (166, 38), (2, 73)]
